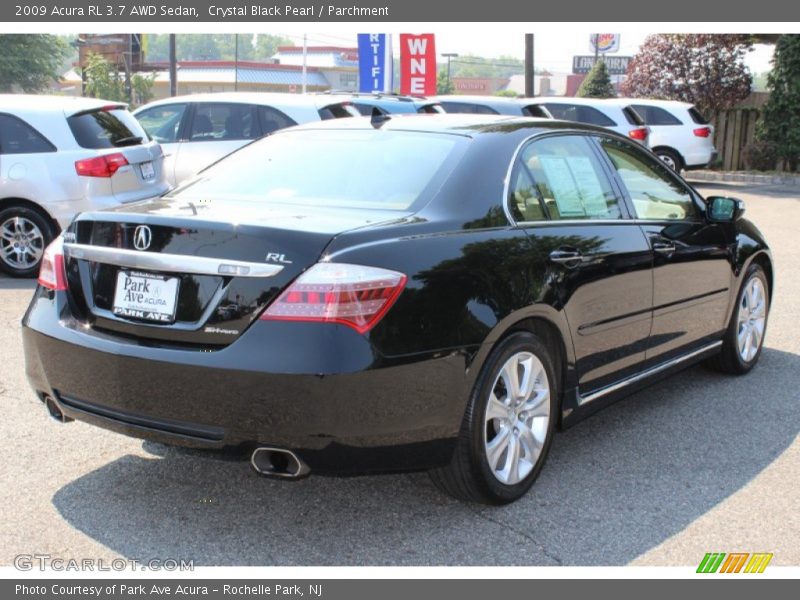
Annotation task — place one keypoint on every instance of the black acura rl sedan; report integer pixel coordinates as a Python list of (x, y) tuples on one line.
[(371, 295)]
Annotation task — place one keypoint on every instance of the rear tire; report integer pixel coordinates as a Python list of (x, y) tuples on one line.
[(24, 234), (670, 158), (744, 338), (505, 436)]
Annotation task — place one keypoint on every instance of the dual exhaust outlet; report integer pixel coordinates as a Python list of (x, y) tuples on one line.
[(270, 462)]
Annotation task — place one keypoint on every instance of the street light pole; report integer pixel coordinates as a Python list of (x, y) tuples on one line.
[(448, 56)]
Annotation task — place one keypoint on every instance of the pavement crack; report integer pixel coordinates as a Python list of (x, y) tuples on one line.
[(522, 534)]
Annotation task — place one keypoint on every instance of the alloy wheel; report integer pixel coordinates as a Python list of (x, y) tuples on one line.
[(517, 418), (21, 243), (752, 319)]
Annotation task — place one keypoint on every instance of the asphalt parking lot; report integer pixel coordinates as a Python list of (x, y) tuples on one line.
[(701, 462)]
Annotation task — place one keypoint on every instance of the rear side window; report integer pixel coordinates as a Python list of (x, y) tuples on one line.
[(433, 109), (697, 116), (341, 110), (216, 122), (163, 122), (468, 107), (632, 116), (653, 115), (272, 120), (580, 114), (569, 181), (106, 128), (534, 110), (17, 137)]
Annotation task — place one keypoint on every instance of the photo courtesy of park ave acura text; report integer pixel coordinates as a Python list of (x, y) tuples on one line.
[(337, 288)]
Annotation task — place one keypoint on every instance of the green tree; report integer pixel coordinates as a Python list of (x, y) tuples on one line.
[(443, 84), (142, 86), (597, 83), (30, 61), (780, 117), (221, 46), (103, 80)]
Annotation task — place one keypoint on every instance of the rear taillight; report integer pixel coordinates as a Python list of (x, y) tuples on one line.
[(703, 132), (352, 295), (52, 274), (639, 134), (100, 166)]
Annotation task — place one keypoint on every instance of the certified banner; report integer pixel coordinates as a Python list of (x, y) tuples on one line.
[(417, 64), (375, 72)]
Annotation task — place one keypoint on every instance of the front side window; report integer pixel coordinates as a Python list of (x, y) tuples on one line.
[(562, 177), (579, 113), (468, 108), (162, 122), (17, 137), (272, 120), (214, 122), (656, 193)]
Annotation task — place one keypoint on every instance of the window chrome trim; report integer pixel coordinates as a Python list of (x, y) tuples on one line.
[(172, 263), (583, 400)]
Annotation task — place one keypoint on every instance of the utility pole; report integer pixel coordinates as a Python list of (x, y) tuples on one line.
[(448, 56), (173, 67), (529, 65), (236, 64), (305, 55)]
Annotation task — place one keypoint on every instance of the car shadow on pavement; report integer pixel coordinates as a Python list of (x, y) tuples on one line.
[(615, 486), (12, 283)]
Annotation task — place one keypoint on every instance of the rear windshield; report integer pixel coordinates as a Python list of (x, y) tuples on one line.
[(338, 111), (331, 168), (653, 115), (106, 128), (434, 109), (697, 116)]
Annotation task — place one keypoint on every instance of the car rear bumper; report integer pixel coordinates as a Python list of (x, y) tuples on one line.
[(344, 411)]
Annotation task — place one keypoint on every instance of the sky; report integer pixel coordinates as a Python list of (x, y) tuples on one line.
[(553, 50)]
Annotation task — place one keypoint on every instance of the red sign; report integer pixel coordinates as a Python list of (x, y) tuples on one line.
[(417, 64)]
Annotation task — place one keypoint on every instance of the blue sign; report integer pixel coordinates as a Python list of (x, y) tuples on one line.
[(374, 62)]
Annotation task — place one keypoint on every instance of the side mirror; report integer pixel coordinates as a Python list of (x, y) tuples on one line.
[(724, 210)]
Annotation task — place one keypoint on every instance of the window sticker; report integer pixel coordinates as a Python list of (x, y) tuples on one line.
[(575, 186)]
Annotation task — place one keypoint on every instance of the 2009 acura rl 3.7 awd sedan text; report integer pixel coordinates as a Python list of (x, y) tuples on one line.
[(393, 294)]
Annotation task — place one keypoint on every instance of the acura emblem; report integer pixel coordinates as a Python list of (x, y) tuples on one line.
[(142, 237)]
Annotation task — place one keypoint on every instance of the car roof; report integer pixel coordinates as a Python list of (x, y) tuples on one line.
[(32, 103), (652, 102), (471, 125), (487, 100), (266, 98)]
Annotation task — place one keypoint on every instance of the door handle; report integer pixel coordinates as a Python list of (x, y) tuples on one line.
[(567, 257), (663, 247)]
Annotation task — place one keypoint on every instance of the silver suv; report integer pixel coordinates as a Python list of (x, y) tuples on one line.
[(61, 156)]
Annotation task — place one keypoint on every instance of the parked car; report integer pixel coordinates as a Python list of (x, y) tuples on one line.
[(197, 130), (481, 105), (61, 156), (422, 292), (391, 104), (679, 134), (592, 111)]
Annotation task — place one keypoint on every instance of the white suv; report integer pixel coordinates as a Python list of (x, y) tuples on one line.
[(592, 111), (198, 130), (679, 134), (61, 156)]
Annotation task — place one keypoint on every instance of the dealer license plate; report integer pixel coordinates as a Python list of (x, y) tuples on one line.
[(146, 296)]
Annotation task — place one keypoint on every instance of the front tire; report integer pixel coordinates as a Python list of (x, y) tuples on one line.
[(24, 234), (508, 425), (744, 338)]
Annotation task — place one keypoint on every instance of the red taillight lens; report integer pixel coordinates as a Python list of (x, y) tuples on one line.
[(639, 134), (52, 274), (100, 166), (703, 132), (352, 295)]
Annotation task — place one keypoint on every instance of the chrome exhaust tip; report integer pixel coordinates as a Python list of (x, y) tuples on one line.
[(277, 462), (55, 410)]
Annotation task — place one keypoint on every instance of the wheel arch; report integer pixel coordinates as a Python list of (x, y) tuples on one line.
[(14, 201), (670, 149)]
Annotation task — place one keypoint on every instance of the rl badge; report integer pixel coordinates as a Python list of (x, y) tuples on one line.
[(146, 296)]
